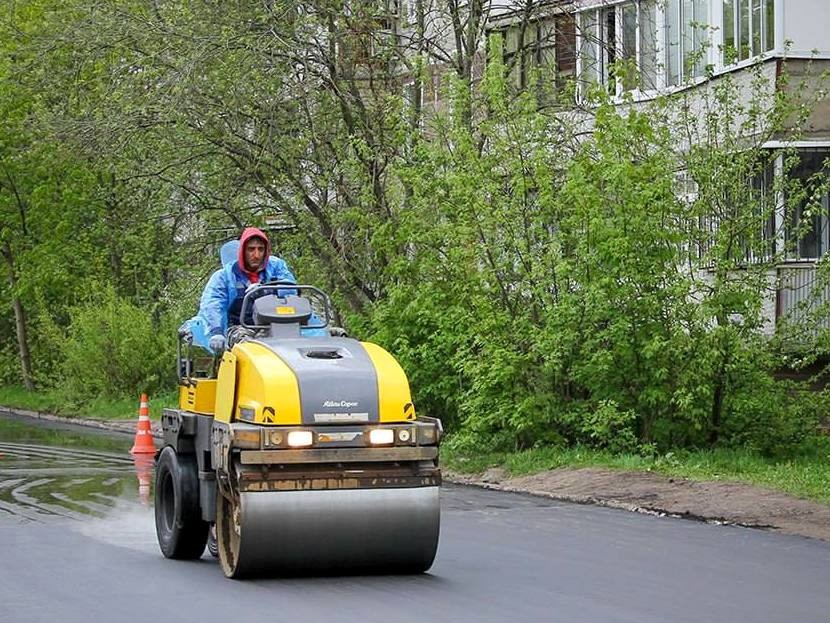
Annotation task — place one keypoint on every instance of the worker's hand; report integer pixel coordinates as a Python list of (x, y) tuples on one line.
[(217, 344), (185, 333)]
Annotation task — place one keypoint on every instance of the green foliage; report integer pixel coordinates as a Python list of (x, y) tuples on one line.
[(56, 401), (539, 271), (773, 418), (571, 295), (608, 427), (112, 348), (75, 210)]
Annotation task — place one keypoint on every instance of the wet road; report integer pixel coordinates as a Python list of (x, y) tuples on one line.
[(77, 543)]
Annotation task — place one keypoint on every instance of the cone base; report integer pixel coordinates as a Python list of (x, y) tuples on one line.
[(143, 449)]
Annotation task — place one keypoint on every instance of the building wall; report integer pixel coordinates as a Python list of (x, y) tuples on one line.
[(806, 23), (806, 76)]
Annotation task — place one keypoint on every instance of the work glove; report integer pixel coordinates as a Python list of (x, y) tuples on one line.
[(217, 343), (185, 333)]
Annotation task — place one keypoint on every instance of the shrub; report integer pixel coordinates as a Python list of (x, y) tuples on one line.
[(772, 417), (112, 347)]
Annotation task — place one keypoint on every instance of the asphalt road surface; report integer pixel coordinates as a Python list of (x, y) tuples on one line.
[(77, 544)]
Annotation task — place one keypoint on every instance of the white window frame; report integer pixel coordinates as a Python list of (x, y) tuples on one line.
[(534, 49), (598, 42), (777, 17), (823, 233), (707, 59), (411, 13), (712, 55)]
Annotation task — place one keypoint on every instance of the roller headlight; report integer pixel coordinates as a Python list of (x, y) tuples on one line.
[(381, 436), (300, 438)]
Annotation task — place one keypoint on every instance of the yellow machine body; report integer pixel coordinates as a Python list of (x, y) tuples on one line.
[(394, 398), (255, 385), (198, 396)]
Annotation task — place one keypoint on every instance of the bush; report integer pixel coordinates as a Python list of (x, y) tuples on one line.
[(607, 427), (552, 289), (774, 418), (112, 347)]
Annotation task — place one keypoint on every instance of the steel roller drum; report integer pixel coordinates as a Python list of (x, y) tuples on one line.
[(368, 530)]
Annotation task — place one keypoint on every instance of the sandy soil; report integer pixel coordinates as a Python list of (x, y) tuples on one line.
[(722, 502)]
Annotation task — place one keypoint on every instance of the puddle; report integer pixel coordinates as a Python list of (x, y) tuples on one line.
[(63, 434), (85, 481)]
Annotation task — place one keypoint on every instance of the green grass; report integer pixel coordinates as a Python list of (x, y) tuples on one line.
[(806, 474), (24, 432), (55, 402)]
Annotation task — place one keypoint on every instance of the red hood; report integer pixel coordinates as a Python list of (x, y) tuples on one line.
[(247, 234)]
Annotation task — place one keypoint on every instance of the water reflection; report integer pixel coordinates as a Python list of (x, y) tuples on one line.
[(53, 475), (144, 465)]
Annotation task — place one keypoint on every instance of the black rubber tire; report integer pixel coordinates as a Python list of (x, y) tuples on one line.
[(181, 532)]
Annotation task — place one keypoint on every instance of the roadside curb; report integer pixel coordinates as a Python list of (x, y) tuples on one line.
[(128, 427), (586, 500), (729, 503)]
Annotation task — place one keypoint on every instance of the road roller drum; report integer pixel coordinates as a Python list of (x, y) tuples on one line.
[(394, 530)]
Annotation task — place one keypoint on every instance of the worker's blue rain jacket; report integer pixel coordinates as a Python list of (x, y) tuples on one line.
[(228, 286), (199, 331), (229, 252)]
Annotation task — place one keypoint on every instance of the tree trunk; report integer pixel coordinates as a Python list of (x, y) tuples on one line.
[(716, 416), (717, 408), (19, 321)]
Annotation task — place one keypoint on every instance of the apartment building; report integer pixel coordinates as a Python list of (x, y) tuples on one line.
[(682, 46), (635, 50)]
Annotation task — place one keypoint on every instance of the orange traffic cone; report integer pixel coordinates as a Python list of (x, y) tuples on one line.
[(143, 443)]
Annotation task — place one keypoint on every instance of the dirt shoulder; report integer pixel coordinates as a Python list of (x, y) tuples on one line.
[(718, 502)]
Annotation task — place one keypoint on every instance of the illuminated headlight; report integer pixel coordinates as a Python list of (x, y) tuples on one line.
[(381, 436), (300, 438)]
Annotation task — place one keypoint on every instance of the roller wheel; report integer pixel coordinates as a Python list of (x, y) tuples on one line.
[(228, 535), (361, 530), (181, 532)]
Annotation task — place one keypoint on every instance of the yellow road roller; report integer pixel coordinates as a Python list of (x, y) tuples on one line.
[(301, 446)]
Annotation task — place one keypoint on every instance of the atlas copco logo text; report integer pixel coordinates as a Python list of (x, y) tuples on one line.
[(340, 403)]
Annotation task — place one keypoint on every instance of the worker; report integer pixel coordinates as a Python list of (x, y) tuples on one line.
[(221, 302)]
